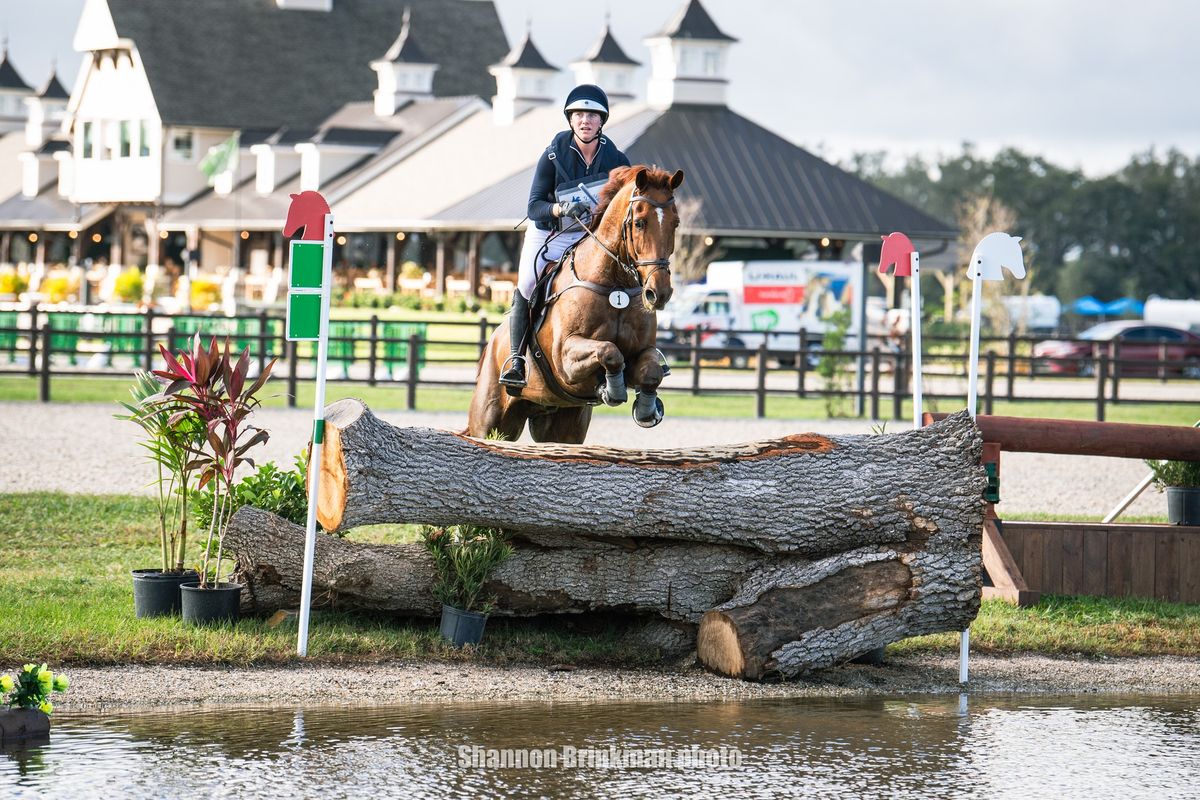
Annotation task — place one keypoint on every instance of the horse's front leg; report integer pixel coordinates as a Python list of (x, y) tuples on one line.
[(646, 374), (581, 358)]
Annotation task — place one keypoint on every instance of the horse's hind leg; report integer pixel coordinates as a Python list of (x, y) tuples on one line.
[(567, 425), (491, 408)]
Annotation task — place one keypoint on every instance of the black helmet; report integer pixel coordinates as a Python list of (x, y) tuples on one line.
[(587, 97)]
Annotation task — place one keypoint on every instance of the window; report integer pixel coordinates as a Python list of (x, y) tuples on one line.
[(143, 138), (88, 144), (712, 63), (182, 145), (124, 146)]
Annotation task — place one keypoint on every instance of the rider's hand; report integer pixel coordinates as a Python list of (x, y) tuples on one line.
[(573, 208)]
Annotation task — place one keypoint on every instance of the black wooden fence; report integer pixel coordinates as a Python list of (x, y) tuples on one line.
[(44, 344)]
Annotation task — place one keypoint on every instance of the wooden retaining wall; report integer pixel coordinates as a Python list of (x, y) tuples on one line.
[(1113, 560)]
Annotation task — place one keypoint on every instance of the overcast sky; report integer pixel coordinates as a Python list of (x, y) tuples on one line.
[(1084, 83)]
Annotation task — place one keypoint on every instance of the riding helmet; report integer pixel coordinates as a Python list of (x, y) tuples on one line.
[(587, 97)]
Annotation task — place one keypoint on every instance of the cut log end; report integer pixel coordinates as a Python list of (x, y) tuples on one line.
[(334, 486), (717, 640)]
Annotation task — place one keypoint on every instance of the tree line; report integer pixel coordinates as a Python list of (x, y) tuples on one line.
[(1133, 232)]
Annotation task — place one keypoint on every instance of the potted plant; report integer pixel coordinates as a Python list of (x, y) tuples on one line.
[(171, 433), (463, 558), (208, 383), (28, 699), (1181, 481)]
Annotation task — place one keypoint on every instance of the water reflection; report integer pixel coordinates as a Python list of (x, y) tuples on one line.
[(918, 747)]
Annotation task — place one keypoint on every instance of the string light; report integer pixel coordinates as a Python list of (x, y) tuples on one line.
[(96, 238), (824, 241), (163, 234), (72, 234), (33, 237), (245, 235), (341, 240), (400, 236)]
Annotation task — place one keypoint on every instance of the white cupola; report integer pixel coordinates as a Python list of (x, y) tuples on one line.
[(607, 66), (688, 60), (46, 110), (405, 72), (524, 80), (13, 93)]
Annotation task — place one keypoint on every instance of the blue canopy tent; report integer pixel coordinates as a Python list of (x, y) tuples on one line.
[(1088, 306), (1125, 305)]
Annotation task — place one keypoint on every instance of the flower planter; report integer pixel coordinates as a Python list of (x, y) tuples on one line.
[(219, 603), (22, 724), (462, 627), (1183, 505), (156, 593)]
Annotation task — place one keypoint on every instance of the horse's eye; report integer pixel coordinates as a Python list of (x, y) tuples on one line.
[(640, 224)]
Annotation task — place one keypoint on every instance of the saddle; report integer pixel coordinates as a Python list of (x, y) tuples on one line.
[(543, 298)]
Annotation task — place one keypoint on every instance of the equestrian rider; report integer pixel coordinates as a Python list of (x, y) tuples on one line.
[(556, 204)]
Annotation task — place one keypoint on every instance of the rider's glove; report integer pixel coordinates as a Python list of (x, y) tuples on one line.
[(573, 208)]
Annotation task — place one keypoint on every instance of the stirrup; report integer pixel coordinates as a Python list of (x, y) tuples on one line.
[(514, 375)]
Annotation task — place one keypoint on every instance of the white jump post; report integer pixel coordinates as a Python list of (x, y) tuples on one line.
[(994, 251), (309, 282)]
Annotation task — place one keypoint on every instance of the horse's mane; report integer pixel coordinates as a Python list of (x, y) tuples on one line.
[(617, 178)]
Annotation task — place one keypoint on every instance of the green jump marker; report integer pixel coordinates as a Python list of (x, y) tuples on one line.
[(310, 276)]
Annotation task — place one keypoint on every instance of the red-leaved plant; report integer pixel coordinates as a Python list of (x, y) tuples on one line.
[(208, 383)]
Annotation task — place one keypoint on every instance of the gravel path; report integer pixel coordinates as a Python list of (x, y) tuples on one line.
[(81, 448), (96, 688)]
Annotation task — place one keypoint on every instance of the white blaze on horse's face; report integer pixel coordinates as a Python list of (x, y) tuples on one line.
[(659, 211)]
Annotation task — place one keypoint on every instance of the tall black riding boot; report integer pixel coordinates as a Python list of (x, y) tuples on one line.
[(518, 326)]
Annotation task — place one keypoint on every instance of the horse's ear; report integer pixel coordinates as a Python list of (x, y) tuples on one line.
[(676, 179), (639, 179)]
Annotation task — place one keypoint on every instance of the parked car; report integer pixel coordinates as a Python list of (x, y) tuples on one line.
[(1136, 345)]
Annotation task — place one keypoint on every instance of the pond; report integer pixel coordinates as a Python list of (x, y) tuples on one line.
[(916, 746)]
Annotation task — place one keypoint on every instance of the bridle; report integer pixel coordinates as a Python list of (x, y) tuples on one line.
[(631, 266)]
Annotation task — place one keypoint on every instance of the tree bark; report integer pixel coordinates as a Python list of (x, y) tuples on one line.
[(804, 494), (790, 555)]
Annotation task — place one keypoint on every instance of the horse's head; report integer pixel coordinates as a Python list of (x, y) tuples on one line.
[(307, 211), (642, 213)]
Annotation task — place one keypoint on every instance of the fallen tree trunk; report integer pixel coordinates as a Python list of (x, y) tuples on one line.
[(789, 555), (805, 494)]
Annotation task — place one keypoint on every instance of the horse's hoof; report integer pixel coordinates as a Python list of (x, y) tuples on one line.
[(613, 398), (654, 419)]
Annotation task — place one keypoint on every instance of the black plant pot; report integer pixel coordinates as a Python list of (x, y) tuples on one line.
[(23, 725), (219, 603), (156, 593), (1183, 505), (462, 627)]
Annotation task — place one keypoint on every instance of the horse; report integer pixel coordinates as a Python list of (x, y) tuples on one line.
[(594, 342)]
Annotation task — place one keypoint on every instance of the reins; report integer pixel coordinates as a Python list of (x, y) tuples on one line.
[(630, 266)]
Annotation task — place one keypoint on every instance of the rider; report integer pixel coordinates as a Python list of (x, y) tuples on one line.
[(575, 156)]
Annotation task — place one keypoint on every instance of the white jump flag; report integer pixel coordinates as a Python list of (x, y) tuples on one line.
[(994, 251), (310, 277)]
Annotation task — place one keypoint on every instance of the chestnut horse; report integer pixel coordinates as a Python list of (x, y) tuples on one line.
[(599, 333)]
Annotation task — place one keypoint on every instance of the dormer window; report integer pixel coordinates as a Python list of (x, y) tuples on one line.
[(143, 139), (182, 145), (88, 143), (125, 143), (712, 63)]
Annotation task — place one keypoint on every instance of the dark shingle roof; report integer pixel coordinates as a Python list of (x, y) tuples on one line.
[(53, 90), (526, 56), (753, 180), (51, 146), (607, 51), (246, 63), (9, 77), (405, 49), (693, 22)]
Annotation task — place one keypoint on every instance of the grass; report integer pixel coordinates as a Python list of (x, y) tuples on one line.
[(392, 395), (66, 598), (1076, 626)]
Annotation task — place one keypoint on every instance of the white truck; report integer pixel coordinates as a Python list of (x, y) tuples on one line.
[(744, 303)]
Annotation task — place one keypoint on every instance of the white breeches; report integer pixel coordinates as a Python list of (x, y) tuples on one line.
[(534, 259)]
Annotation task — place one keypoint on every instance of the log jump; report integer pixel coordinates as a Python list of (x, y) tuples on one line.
[(778, 556)]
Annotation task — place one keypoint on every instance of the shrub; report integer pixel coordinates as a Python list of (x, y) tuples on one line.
[(31, 688), (12, 283), (282, 492), (463, 558), (1184, 474), (831, 367), (411, 270), (205, 294), (130, 286), (57, 289)]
